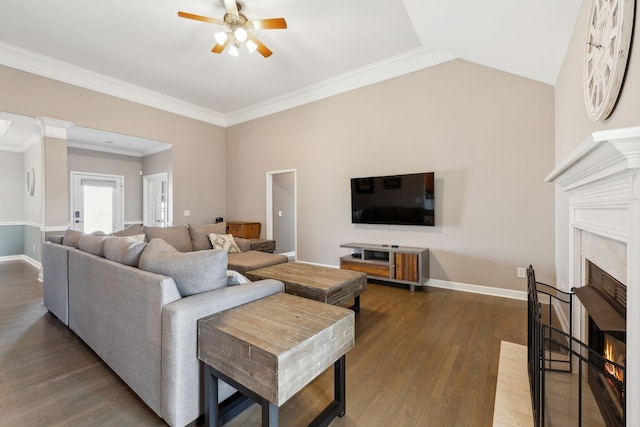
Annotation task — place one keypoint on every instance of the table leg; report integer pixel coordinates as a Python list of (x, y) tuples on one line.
[(269, 414), (211, 409), (356, 304), (339, 381)]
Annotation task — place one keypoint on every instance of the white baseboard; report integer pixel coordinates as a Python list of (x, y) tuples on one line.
[(21, 258), (457, 286), (477, 289)]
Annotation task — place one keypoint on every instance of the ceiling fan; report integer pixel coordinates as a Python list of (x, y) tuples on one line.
[(238, 27)]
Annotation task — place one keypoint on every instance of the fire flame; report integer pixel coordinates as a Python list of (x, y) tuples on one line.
[(610, 355)]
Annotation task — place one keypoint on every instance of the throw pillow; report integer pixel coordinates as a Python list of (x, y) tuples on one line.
[(235, 278), (92, 244), (123, 250), (135, 238), (177, 236), (224, 242), (193, 272), (72, 238), (200, 234)]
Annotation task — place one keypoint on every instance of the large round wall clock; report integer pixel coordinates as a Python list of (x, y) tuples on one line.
[(605, 54)]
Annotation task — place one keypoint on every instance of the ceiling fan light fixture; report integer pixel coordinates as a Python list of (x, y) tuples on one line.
[(233, 51), (220, 37), (241, 34), (251, 46)]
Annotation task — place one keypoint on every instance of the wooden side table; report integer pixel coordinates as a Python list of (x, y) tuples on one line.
[(271, 348), (246, 230), (324, 284), (263, 245)]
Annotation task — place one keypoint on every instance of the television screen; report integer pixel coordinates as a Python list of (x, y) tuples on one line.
[(396, 199)]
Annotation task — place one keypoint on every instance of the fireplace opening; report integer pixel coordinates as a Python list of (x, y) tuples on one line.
[(606, 375), (604, 299)]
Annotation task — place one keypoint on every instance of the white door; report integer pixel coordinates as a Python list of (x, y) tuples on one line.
[(155, 200), (97, 203)]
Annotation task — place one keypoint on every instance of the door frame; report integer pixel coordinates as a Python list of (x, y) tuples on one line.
[(269, 221), (73, 175), (145, 189)]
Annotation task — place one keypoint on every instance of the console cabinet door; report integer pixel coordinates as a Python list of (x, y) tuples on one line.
[(405, 267)]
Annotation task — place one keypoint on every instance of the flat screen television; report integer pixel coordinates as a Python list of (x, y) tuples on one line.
[(395, 199)]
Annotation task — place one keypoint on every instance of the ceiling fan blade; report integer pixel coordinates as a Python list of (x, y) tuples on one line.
[(200, 18), (232, 8), (219, 48), (264, 51), (269, 24)]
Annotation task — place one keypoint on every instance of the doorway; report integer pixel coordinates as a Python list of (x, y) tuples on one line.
[(97, 203), (282, 211), (155, 200)]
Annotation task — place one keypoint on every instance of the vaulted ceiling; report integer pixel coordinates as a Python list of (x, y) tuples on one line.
[(329, 47)]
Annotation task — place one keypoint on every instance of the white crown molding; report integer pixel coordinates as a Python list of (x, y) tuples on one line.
[(41, 65), (45, 66), (398, 65), (54, 128), (103, 149)]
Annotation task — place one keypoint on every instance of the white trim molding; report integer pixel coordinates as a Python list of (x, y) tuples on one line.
[(55, 228), (21, 258), (457, 286), (602, 179), (54, 128), (396, 66), (477, 289), (407, 62)]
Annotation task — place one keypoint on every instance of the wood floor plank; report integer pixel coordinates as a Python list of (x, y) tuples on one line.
[(426, 358)]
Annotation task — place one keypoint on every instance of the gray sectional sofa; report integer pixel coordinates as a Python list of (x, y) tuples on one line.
[(141, 323)]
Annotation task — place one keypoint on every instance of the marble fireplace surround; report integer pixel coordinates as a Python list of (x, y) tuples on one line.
[(602, 181)]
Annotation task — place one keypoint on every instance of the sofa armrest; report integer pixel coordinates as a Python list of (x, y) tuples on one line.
[(243, 244), (55, 271), (182, 398)]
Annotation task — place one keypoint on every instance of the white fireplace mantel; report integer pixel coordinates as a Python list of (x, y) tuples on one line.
[(602, 180), (603, 154)]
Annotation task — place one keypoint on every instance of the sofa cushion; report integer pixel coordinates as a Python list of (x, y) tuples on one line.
[(193, 272), (224, 242), (72, 238), (243, 244), (177, 236), (252, 260), (93, 244), (200, 234), (130, 230), (123, 250)]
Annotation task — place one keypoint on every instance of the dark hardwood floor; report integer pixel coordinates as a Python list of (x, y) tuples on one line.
[(427, 358)]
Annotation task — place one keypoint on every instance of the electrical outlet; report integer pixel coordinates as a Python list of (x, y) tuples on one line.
[(187, 213), (521, 272)]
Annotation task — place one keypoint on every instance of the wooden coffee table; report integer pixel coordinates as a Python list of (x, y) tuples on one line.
[(329, 285), (271, 348)]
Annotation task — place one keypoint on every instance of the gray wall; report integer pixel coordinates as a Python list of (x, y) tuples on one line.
[(198, 149), (284, 202), (79, 160), (12, 206), (20, 214), (12, 186), (488, 135), (573, 125)]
